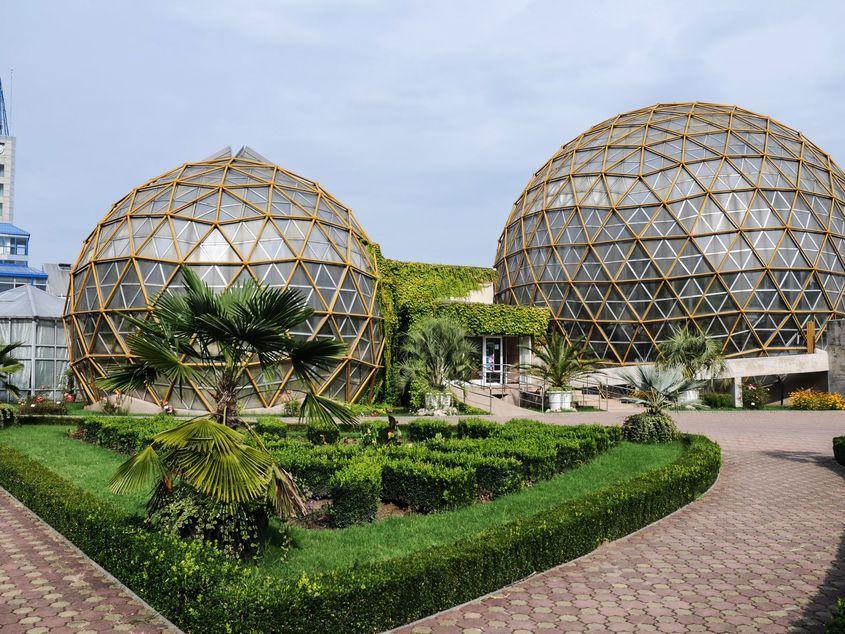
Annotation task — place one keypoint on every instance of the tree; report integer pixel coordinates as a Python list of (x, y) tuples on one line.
[(9, 366), (693, 352), (437, 351), (657, 389), (558, 362), (210, 338)]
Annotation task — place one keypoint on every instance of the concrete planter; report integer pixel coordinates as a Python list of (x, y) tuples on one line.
[(438, 401), (560, 401), (688, 396)]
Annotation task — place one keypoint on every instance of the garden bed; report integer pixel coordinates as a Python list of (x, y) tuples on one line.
[(365, 577)]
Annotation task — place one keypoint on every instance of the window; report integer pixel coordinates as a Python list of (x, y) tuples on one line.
[(2, 170)]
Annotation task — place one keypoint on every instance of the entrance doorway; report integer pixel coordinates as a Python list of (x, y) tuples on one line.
[(492, 361)]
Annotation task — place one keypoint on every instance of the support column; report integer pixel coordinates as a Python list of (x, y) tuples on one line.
[(738, 391)]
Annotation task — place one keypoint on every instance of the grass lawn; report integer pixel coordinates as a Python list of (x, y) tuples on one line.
[(316, 551)]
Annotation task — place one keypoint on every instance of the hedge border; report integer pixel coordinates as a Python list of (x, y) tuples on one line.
[(201, 591)]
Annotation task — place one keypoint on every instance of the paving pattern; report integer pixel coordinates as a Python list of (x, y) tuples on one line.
[(46, 585), (762, 551)]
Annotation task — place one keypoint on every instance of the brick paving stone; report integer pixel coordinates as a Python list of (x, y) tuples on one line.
[(46, 585), (760, 552)]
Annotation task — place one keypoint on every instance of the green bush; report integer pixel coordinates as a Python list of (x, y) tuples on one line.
[(537, 462), (754, 395), (124, 434), (38, 405), (649, 428), (355, 491), (8, 416), (425, 428), (427, 487), (312, 466), (717, 400), (201, 591), (320, 433), (839, 449), (270, 427), (476, 428), (44, 419), (837, 623)]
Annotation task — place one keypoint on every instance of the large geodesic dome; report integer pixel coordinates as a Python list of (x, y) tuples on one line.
[(684, 212), (229, 218)]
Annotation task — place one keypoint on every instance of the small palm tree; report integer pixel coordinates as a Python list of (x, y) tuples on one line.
[(558, 362), (210, 338), (657, 389), (9, 366), (437, 351), (693, 352)]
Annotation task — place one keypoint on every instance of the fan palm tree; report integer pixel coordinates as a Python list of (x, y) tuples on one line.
[(209, 339), (557, 362), (693, 352), (437, 351), (657, 389), (9, 366)]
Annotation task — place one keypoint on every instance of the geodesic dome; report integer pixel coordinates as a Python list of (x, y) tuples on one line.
[(677, 212), (229, 218)]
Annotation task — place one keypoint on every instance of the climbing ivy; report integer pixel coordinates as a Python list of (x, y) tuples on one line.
[(496, 319)]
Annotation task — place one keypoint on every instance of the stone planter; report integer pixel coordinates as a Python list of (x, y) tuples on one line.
[(687, 396), (560, 401), (438, 401)]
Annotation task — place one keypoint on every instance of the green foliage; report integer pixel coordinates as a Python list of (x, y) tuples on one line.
[(648, 427), (495, 319), (427, 428), (202, 591), (270, 427), (436, 352), (355, 491), (839, 449), (426, 487), (9, 366), (239, 530), (657, 389), (320, 433), (42, 419), (38, 406), (754, 394), (8, 416), (693, 352), (836, 625), (717, 400), (557, 362), (477, 428)]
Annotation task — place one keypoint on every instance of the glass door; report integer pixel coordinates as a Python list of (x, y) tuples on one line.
[(492, 360)]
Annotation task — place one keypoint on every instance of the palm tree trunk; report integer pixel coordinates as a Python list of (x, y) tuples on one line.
[(226, 411)]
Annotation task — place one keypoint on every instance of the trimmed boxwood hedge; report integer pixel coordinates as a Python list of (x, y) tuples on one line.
[(203, 592), (355, 490), (427, 487)]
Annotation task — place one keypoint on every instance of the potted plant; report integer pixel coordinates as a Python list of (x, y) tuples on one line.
[(695, 354), (558, 363), (437, 352)]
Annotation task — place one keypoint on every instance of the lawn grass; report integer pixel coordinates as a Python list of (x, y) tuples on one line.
[(88, 466), (315, 551)]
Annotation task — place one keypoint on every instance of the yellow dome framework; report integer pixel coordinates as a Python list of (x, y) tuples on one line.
[(681, 212), (229, 218)]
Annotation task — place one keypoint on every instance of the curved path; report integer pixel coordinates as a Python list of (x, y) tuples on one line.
[(762, 551), (48, 585)]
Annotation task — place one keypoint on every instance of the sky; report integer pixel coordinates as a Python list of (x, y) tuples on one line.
[(425, 118)]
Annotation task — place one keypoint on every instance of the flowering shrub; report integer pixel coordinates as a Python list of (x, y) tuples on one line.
[(39, 405), (753, 395), (815, 400)]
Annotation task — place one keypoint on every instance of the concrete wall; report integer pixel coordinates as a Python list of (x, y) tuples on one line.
[(836, 355), (7, 159)]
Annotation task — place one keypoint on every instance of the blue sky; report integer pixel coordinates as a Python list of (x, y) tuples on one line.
[(426, 118)]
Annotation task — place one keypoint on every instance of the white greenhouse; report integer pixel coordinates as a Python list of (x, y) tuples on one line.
[(34, 318)]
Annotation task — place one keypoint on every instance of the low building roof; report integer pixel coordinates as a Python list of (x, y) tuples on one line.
[(30, 302), (7, 228)]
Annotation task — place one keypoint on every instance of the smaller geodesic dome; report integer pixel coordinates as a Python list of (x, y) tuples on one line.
[(229, 218), (34, 318)]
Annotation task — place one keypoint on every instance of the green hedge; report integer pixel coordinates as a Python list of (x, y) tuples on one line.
[(495, 319), (356, 490), (839, 449), (202, 592), (45, 419), (320, 433), (427, 487), (426, 428)]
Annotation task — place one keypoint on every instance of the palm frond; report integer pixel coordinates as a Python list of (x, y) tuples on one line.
[(283, 494), (138, 472), (320, 409)]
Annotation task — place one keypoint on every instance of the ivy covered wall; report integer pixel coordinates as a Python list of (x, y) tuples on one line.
[(411, 290)]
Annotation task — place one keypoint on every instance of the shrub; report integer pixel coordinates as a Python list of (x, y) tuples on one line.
[(44, 419), (717, 400), (292, 407), (239, 530), (40, 405), (270, 427), (355, 491), (427, 487), (754, 395), (322, 433), (836, 625), (476, 428), (425, 428), (536, 462), (647, 428), (8, 416), (313, 467), (839, 449), (814, 400)]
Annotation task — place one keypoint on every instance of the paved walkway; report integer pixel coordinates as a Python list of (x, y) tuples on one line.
[(762, 551), (47, 585)]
